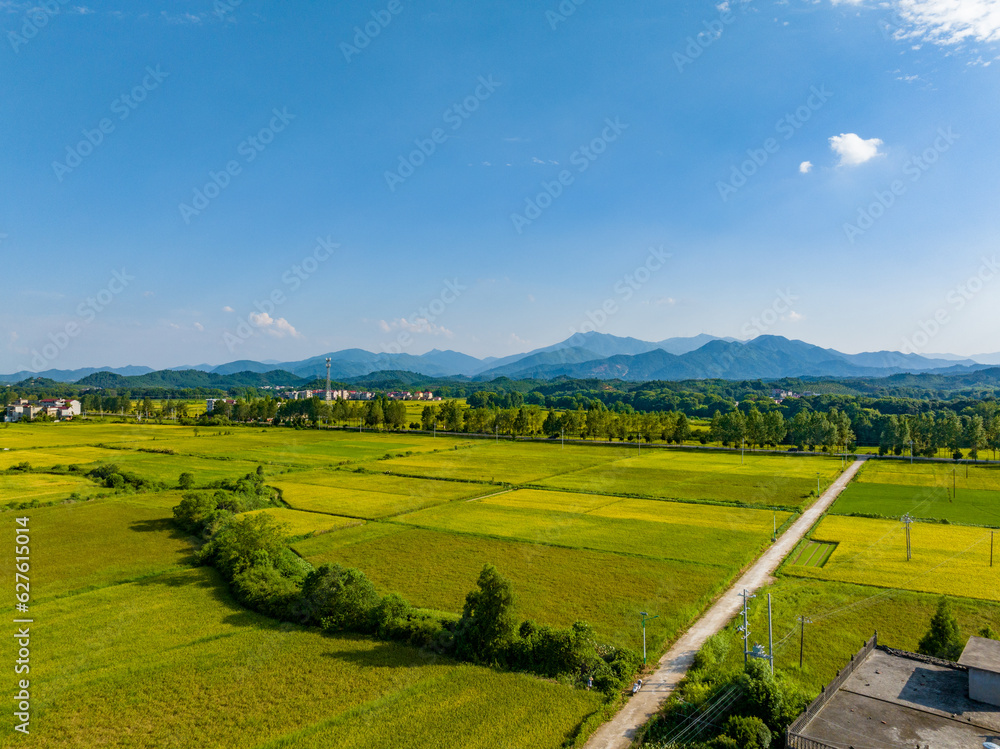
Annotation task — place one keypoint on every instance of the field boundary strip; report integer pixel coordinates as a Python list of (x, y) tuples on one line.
[(793, 509), (516, 539)]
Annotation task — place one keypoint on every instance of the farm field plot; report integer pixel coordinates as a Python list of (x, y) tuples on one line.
[(44, 487), (121, 664), (767, 480), (696, 533), (91, 544), (975, 507), (946, 558), (554, 586), (168, 468), (64, 456), (131, 632), (367, 495), (300, 523), (306, 448), (70, 434), (981, 478), (811, 553), (510, 462)]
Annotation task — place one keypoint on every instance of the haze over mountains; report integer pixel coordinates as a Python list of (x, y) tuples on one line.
[(592, 355)]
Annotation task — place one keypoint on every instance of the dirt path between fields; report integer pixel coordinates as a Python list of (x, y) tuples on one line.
[(620, 730)]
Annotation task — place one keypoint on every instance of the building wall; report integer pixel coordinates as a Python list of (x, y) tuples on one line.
[(984, 686)]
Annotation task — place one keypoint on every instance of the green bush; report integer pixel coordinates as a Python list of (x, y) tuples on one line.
[(748, 732), (339, 598)]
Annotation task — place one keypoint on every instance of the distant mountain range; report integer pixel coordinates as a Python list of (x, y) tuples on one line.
[(582, 355)]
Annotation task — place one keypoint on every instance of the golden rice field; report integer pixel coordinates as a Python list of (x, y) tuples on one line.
[(300, 523), (949, 559), (367, 495), (43, 487)]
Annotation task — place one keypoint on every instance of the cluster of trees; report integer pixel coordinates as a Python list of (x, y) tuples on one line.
[(806, 428), (252, 554), (379, 412), (596, 422), (928, 433)]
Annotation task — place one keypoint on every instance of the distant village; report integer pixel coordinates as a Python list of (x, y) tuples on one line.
[(65, 409), (57, 409)]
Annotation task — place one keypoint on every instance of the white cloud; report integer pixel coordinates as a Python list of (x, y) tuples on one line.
[(942, 22), (180, 17), (416, 325), (805, 167), (515, 340), (227, 308), (949, 22), (199, 327), (793, 317), (536, 160), (665, 301), (279, 328), (853, 149)]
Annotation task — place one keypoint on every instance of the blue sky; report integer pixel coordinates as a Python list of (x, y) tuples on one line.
[(825, 171)]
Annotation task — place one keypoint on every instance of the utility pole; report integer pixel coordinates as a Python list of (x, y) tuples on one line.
[(802, 638), (562, 431), (907, 518), (327, 394), (645, 616), (770, 635), (911, 452), (745, 627)]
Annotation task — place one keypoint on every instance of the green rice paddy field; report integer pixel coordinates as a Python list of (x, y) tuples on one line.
[(131, 635)]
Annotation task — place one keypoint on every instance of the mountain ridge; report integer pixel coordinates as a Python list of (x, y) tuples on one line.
[(587, 355)]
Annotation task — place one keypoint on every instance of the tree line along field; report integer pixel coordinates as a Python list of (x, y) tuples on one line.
[(420, 516)]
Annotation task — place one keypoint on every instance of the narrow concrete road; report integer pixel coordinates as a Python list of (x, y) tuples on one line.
[(620, 730)]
